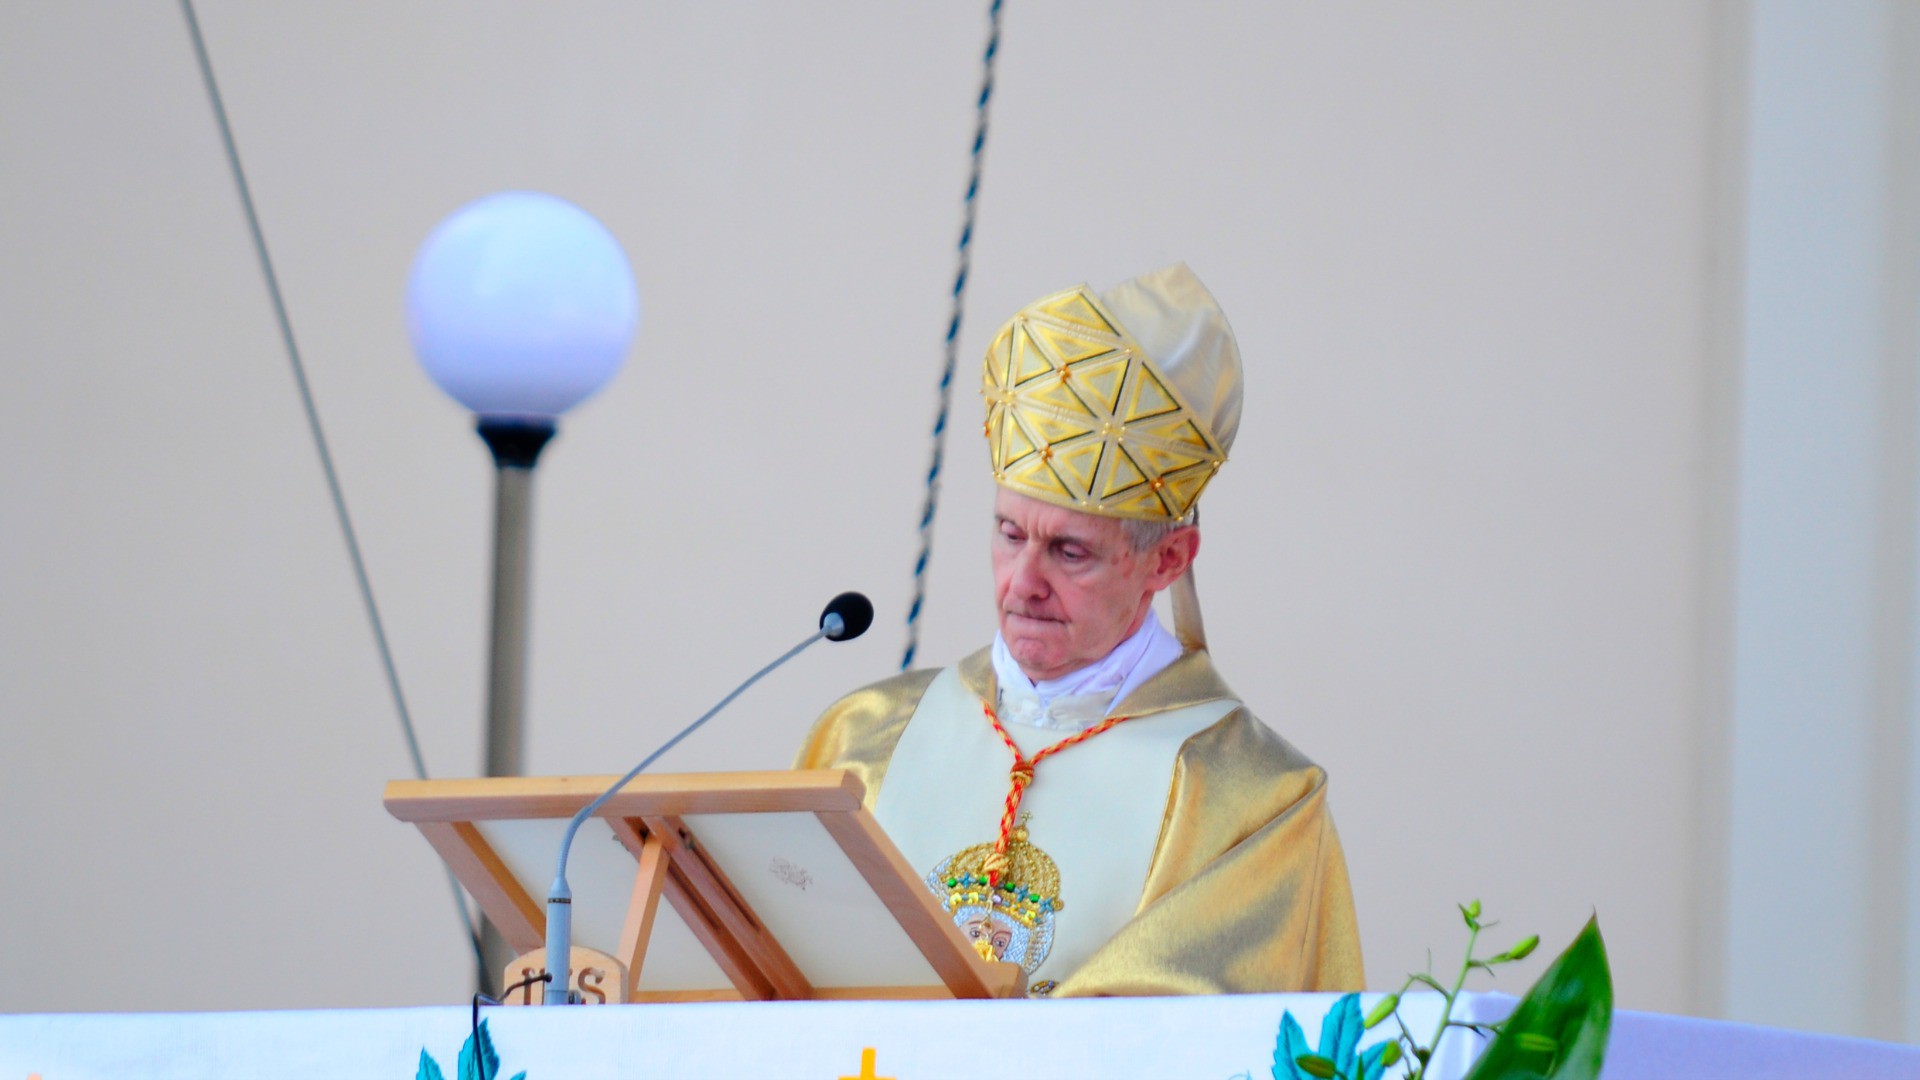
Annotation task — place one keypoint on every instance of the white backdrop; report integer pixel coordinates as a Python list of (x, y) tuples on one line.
[(1472, 552)]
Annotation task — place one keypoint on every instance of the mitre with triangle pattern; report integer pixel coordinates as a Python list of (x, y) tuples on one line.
[(1121, 404)]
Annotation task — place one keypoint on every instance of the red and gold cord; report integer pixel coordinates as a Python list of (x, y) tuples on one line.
[(1020, 776)]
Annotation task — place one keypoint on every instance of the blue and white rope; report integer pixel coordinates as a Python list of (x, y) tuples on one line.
[(932, 504)]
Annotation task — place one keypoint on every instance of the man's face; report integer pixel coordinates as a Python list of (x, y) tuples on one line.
[(1069, 586)]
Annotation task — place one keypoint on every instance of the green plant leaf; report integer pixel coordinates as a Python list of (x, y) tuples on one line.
[(1316, 1066), (1288, 1048), (429, 1068), (1571, 1005), (1340, 1034)]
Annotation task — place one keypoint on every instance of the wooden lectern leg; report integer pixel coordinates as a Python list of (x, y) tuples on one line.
[(648, 884), (710, 888), (499, 893), (701, 919), (713, 936)]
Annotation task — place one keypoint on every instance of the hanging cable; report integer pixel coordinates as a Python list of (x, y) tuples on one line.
[(320, 442), (965, 254)]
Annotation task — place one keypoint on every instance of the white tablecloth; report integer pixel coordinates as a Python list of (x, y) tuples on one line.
[(1202, 1038), (1219, 1038)]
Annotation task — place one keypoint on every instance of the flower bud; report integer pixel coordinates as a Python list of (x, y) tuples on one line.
[(1471, 913), (1315, 1065), (1526, 945)]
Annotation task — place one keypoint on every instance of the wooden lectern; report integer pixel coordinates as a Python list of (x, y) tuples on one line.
[(779, 886)]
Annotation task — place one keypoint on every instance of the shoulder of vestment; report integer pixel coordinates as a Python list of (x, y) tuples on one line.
[(1230, 781), (859, 732)]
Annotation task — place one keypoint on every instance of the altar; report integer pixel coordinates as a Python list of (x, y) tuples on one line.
[(1201, 1037), (1205, 1038)]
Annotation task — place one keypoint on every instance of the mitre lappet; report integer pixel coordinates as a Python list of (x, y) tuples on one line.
[(1122, 404)]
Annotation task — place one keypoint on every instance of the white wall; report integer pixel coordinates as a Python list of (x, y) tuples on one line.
[(1473, 552), (1820, 932)]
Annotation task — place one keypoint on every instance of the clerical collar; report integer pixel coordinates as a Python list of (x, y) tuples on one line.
[(1080, 699)]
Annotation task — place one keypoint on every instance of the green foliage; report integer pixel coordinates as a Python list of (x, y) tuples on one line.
[(1382, 1010), (1316, 1066), (1559, 1030), (1521, 951)]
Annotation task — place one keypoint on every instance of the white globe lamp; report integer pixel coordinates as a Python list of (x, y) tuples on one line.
[(520, 306)]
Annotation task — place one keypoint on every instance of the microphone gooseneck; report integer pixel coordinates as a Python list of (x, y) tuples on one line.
[(847, 616)]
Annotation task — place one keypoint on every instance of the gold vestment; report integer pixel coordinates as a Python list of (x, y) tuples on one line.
[(1247, 891)]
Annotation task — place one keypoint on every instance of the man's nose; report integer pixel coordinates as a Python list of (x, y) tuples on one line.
[(1029, 575)]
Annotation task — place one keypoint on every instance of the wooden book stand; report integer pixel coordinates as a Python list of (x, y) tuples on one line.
[(779, 886)]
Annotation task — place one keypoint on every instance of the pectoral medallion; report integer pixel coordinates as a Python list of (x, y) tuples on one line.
[(1005, 906)]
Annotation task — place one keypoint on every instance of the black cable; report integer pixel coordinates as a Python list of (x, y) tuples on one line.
[(486, 999), (320, 444)]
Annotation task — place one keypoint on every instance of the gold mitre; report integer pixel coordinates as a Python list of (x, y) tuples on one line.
[(1122, 404)]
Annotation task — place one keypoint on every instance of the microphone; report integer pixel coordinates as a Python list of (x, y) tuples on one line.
[(846, 617)]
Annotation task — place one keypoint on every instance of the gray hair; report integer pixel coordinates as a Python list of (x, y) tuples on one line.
[(1143, 535)]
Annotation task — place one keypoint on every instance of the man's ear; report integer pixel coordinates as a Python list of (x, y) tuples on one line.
[(1175, 552)]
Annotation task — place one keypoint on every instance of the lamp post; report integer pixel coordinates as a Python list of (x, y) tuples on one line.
[(520, 306)]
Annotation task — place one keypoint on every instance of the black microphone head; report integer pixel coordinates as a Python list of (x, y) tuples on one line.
[(856, 614)]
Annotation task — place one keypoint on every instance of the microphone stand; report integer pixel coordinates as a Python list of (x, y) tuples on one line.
[(560, 896)]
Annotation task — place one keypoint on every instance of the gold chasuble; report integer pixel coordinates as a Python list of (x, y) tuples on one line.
[(1188, 850)]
